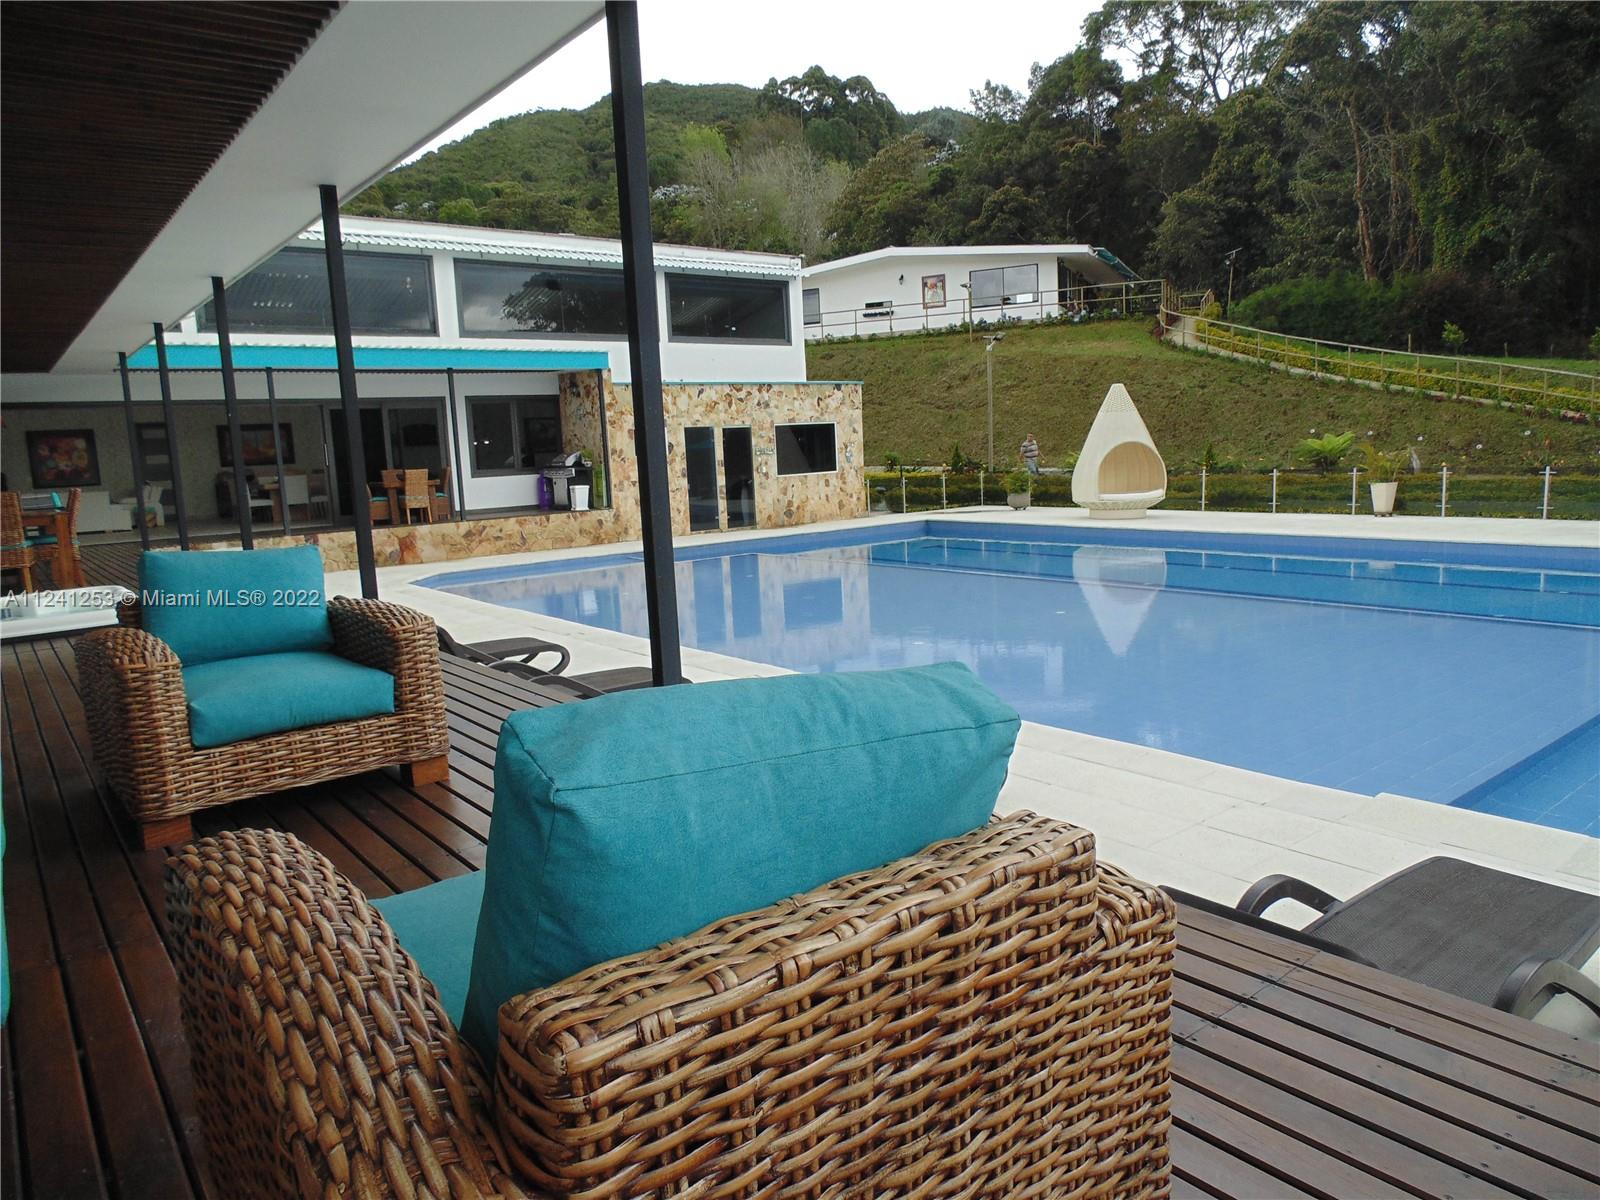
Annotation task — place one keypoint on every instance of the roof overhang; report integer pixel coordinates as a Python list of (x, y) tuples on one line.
[(1094, 263), (379, 81), (385, 234)]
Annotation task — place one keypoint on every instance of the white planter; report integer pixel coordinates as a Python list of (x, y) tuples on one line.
[(580, 497), (1018, 500), (1383, 498)]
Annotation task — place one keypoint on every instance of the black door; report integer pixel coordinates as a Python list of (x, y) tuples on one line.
[(373, 446), (739, 476), (700, 460)]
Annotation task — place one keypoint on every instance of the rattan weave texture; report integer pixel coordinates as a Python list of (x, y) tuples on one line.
[(139, 723), (988, 1019)]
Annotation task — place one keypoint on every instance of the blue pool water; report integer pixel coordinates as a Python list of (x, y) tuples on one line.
[(1453, 673)]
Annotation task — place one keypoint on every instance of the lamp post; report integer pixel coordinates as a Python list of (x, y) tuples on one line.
[(1232, 254), (989, 342)]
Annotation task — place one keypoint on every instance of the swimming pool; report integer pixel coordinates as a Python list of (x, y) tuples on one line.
[(1454, 673)]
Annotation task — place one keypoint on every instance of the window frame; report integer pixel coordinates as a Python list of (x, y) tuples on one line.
[(777, 464), (514, 400), (806, 319), (238, 326), (532, 267), (783, 286), (1004, 300)]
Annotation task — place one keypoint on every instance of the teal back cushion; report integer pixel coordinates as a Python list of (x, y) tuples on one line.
[(627, 820), (212, 604)]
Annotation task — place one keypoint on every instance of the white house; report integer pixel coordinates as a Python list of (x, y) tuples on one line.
[(471, 346), (900, 289)]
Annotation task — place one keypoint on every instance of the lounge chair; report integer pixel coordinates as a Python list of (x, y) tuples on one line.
[(231, 677), (515, 657), (750, 938), (1482, 934), (1119, 473)]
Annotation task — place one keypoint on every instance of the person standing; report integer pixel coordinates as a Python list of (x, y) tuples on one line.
[(1030, 454)]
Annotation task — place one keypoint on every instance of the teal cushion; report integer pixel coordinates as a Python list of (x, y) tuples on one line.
[(238, 698), (212, 604), (641, 816), (435, 924)]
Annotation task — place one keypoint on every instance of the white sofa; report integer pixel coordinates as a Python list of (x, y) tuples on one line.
[(99, 513)]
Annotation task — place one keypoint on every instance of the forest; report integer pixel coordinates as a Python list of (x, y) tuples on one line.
[(1369, 167)]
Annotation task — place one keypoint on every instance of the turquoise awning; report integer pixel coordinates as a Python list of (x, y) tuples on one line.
[(375, 358)]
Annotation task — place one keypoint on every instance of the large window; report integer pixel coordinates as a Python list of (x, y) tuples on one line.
[(711, 308), (1005, 285), (806, 449), (513, 435), (389, 293), (811, 303), (511, 299)]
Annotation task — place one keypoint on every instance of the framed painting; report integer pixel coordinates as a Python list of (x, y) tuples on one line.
[(259, 450), (63, 458), (933, 295)]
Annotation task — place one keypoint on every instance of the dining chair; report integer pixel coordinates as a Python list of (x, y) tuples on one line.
[(16, 554), (415, 495), (444, 504), (61, 553)]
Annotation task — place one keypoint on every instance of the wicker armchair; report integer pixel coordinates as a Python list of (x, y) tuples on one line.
[(989, 1018), (139, 724)]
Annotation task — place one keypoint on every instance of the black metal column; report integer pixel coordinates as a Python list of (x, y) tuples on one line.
[(171, 420), (230, 406), (460, 487), (644, 338), (277, 450), (361, 511), (134, 453)]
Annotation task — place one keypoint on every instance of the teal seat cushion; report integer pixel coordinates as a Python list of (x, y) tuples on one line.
[(637, 817), (238, 698), (436, 924), (213, 604)]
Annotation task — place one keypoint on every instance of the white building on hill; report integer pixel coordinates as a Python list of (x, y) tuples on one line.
[(903, 288)]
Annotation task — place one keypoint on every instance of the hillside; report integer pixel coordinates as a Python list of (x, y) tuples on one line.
[(925, 394), (552, 170)]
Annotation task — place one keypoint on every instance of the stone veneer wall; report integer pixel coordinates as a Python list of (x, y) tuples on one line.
[(781, 500), (585, 397)]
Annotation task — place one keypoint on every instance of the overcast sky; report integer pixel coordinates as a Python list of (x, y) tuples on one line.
[(921, 53)]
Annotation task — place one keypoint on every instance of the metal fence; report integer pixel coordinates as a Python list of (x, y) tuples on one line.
[(1546, 494), (1519, 385), (1137, 297)]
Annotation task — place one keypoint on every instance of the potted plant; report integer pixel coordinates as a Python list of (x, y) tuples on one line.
[(1019, 489), (1384, 466)]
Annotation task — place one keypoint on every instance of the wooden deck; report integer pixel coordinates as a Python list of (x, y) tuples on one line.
[(1297, 1074)]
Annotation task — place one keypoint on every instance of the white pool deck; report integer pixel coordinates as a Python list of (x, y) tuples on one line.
[(1167, 818)]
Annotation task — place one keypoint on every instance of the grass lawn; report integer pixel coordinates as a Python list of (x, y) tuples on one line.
[(924, 394)]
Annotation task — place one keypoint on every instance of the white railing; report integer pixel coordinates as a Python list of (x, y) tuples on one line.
[(1135, 297), (1462, 377), (1444, 492)]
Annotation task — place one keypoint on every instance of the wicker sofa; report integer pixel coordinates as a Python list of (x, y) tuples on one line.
[(987, 1018), (133, 695)]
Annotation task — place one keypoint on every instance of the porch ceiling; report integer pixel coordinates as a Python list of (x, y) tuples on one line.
[(112, 113), (150, 146)]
